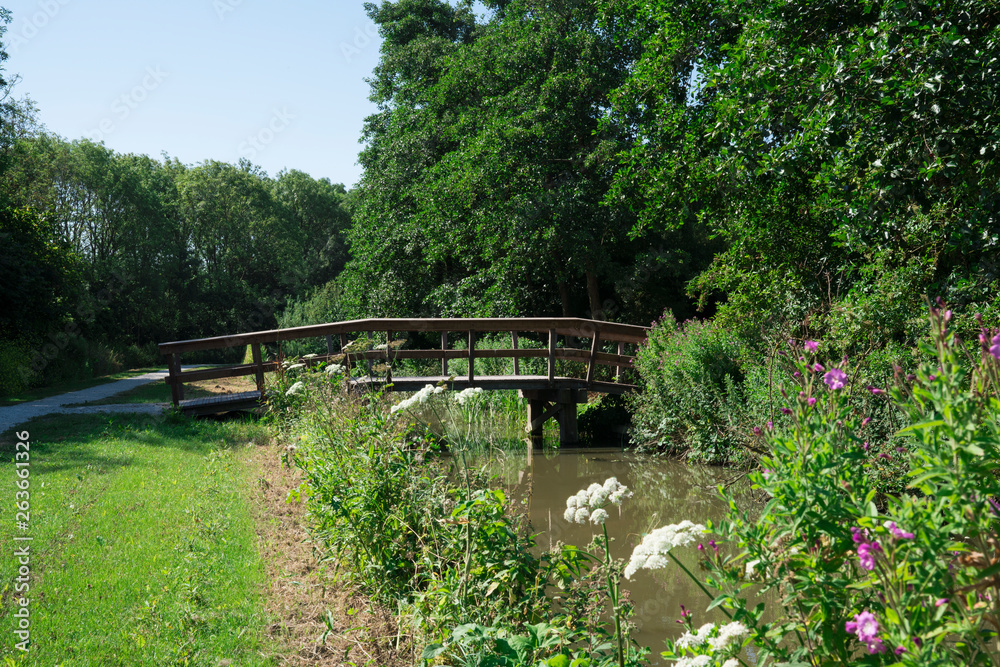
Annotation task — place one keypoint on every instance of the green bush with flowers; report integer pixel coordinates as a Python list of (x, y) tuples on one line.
[(856, 576)]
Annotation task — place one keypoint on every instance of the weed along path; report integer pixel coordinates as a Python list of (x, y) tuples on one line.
[(18, 414)]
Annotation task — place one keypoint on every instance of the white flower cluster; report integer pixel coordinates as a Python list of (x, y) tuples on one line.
[(418, 398), (334, 369), (722, 639), (728, 634), (652, 551), (704, 661), (587, 503), (294, 367), (295, 389), (467, 394)]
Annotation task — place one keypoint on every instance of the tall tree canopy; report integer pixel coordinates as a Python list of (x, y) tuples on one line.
[(487, 169), (845, 150)]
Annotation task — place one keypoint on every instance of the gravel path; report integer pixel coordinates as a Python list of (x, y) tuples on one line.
[(17, 414)]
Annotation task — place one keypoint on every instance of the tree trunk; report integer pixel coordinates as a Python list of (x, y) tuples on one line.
[(594, 295), (564, 298)]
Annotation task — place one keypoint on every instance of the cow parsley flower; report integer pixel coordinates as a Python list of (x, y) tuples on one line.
[(295, 389), (581, 504), (651, 553), (696, 638), (467, 394), (727, 635)]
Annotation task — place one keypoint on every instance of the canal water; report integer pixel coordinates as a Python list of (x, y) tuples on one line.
[(665, 491)]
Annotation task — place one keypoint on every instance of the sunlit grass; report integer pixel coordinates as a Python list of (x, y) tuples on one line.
[(143, 548)]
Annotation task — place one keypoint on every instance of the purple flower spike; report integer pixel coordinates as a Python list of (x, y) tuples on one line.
[(835, 378), (811, 346), (995, 348)]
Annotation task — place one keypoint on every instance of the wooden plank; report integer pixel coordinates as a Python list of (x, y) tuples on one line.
[(525, 383), (444, 356), (388, 347), (175, 381), (618, 367), (227, 372), (552, 354), (517, 360), (472, 354), (258, 363), (329, 344), (568, 326), (593, 356)]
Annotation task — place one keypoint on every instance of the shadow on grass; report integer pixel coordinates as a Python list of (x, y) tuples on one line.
[(72, 440)]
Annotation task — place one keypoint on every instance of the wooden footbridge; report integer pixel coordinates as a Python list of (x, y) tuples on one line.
[(592, 356)]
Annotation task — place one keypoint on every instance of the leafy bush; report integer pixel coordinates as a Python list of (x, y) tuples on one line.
[(690, 374), (865, 578)]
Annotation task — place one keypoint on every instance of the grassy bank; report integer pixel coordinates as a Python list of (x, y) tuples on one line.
[(144, 545)]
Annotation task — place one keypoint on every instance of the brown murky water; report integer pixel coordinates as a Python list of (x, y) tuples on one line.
[(666, 491)]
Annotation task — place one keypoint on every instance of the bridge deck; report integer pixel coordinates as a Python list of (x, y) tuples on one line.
[(494, 382)]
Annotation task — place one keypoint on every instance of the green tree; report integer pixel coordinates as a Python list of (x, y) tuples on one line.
[(845, 151)]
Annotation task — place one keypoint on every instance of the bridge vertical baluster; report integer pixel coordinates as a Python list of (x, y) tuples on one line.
[(517, 364), (552, 355), (388, 367), (593, 357), (258, 367), (444, 355), (176, 386), (347, 361), (618, 368), (472, 355), (329, 345)]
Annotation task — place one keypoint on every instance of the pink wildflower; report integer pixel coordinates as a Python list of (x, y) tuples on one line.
[(835, 378), (811, 345)]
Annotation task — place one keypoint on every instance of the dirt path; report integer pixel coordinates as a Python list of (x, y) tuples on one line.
[(319, 621), (18, 414)]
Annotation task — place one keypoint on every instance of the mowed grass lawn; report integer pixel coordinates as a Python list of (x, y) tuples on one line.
[(144, 549)]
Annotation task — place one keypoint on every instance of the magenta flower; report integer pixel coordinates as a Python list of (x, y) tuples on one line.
[(835, 378), (995, 348), (897, 532), (941, 602), (756, 430), (875, 390), (811, 345), (811, 401), (796, 374), (865, 626), (770, 426), (867, 548), (818, 368), (864, 422), (786, 411)]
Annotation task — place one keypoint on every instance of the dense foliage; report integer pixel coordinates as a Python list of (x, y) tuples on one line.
[(855, 577), (846, 151), (487, 169)]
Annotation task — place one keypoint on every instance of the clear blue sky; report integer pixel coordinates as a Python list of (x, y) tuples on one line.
[(281, 84)]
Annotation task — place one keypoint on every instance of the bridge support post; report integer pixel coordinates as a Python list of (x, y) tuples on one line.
[(543, 404)]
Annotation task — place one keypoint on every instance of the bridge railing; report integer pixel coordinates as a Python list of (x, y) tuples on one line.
[(337, 336)]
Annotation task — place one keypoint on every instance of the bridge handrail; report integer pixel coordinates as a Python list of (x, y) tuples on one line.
[(598, 331)]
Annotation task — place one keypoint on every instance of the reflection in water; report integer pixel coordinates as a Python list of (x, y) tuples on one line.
[(666, 491)]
